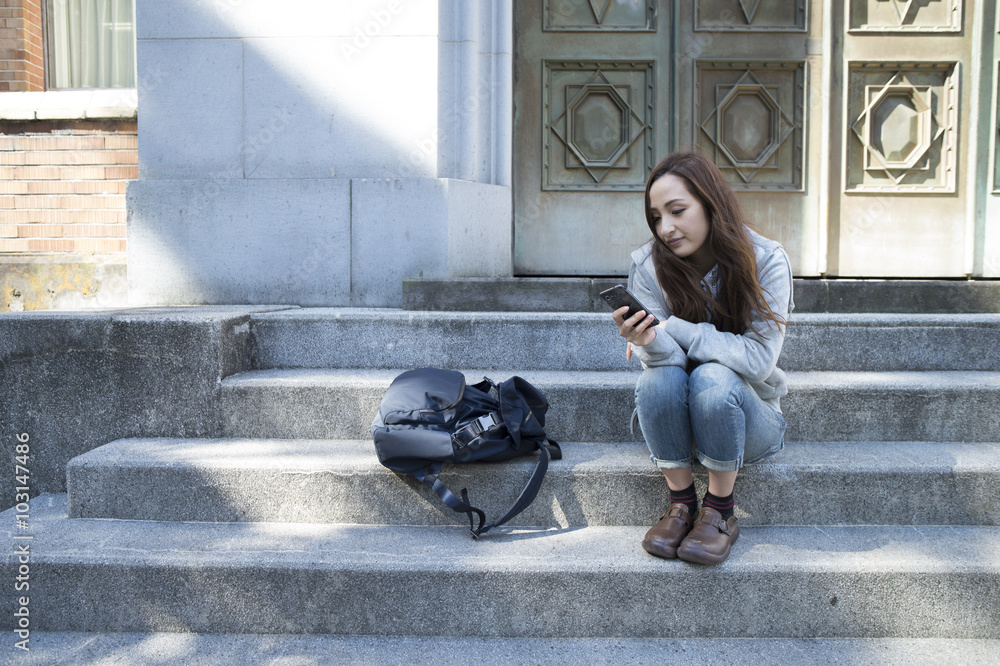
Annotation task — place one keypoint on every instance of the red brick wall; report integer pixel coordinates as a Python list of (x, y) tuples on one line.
[(62, 185), (21, 56)]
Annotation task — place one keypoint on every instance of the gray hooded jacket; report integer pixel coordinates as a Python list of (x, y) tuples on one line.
[(750, 355)]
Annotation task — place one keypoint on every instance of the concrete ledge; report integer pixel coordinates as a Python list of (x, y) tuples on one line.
[(893, 406), (790, 582), (73, 381), (360, 338), (572, 294), (340, 404), (370, 338), (507, 294), (341, 481), (184, 649), (596, 406), (891, 342)]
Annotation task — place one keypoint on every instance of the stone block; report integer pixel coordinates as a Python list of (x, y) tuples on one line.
[(480, 243), (235, 19), (369, 111), (28, 282), (192, 108), (239, 241), (399, 230), (429, 228)]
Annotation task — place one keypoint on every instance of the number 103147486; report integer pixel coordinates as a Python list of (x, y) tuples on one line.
[(22, 474)]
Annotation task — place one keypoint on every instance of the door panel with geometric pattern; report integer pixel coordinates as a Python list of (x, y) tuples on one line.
[(590, 103), (905, 206), (746, 77)]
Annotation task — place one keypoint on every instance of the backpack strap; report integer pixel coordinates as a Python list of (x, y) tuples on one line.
[(527, 495), (429, 477), (552, 446)]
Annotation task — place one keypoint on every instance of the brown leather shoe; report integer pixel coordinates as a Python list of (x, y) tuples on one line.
[(663, 538), (711, 538)]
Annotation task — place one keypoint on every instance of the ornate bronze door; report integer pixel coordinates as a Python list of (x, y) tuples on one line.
[(861, 134)]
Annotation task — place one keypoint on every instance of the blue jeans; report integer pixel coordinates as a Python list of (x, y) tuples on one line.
[(712, 414)]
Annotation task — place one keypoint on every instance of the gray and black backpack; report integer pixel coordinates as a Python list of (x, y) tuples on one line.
[(430, 416)]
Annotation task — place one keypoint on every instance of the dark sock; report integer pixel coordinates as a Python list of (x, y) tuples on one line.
[(724, 505), (687, 496)]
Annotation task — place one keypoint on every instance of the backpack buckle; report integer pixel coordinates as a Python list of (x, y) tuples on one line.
[(485, 422), (469, 433)]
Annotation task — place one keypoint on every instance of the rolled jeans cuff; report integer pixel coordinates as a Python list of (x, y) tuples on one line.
[(720, 465), (672, 464)]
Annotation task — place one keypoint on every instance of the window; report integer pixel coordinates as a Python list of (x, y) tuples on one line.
[(91, 43)]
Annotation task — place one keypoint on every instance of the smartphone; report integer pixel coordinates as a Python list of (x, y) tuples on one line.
[(618, 296)]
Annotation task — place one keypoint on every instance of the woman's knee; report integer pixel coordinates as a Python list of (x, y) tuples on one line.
[(661, 398), (710, 375), (662, 388), (714, 388)]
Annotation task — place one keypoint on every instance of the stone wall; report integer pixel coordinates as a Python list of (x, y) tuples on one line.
[(318, 162)]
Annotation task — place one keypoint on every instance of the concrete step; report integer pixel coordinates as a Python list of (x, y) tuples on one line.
[(596, 406), (811, 295), (341, 481), (187, 649), (780, 582), (359, 338)]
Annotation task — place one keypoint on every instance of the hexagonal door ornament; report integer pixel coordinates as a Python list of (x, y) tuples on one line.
[(747, 125), (897, 127), (598, 126)]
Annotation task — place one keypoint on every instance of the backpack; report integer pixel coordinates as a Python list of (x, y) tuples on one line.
[(429, 417)]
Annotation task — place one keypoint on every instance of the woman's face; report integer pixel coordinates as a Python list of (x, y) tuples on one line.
[(680, 221)]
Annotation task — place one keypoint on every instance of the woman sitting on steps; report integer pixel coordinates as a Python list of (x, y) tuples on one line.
[(710, 385)]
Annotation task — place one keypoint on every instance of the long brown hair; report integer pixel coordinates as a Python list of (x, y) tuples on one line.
[(740, 294)]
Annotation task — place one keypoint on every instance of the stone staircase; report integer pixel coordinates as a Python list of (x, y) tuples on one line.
[(880, 520)]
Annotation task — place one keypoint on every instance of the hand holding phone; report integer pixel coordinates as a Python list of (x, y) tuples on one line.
[(618, 296)]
